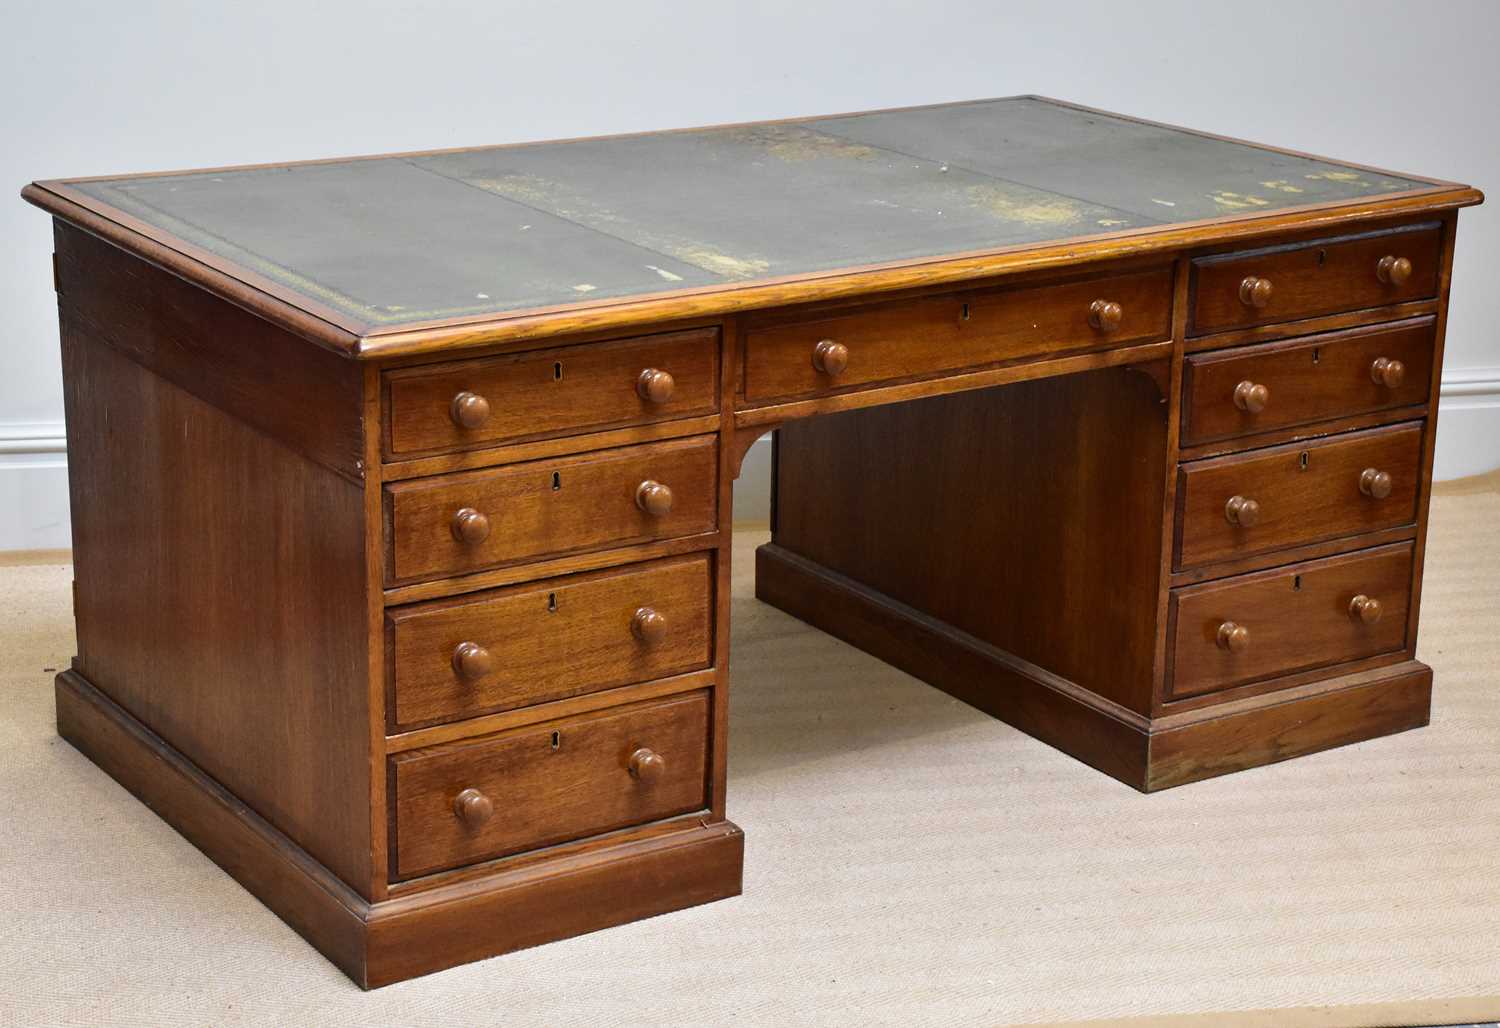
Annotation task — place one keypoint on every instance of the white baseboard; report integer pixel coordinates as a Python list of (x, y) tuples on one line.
[(33, 487), (34, 467)]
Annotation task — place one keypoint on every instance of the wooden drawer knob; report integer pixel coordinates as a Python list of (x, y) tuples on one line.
[(655, 385), (1393, 271), (1242, 511), (473, 808), (1387, 372), (1365, 609), (646, 765), (1106, 315), (830, 358), (649, 626), (469, 410), (654, 498), (1251, 397), (1375, 484), (1234, 638), (1255, 292), (472, 660), (470, 526)]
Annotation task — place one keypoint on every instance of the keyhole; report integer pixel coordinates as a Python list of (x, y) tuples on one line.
[(1302, 460), (1296, 583), (1317, 354), (557, 371), (552, 603), (556, 481), (556, 741), (963, 314), (1322, 257)]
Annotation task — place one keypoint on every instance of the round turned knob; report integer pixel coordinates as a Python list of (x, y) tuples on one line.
[(1251, 397), (1375, 484), (1365, 608), (472, 660), (470, 526), (1393, 271), (1242, 511), (830, 358), (655, 386), (648, 626), (647, 765), (469, 410), (473, 808), (1387, 372), (654, 498), (1255, 292), (1234, 638), (1106, 315)]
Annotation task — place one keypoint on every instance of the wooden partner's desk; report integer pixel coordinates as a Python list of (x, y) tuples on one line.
[(401, 486)]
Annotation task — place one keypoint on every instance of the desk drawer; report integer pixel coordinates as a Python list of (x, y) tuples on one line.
[(454, 524), (1324, 276), (1296, 618), (548, 640), (548, 783), (554, 392), (914, 338), (1284, 496), (1278, 385)]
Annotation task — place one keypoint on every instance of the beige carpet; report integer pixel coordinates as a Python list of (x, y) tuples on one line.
[(909, 861)]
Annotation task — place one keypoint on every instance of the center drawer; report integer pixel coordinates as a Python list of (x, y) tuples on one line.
[(453, 524), (529, 644), (1284, 496), (548, 783), (815, 354)]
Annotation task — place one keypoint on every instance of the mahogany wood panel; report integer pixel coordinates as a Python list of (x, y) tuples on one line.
[(1304, 279), (305, 397), (1315, 378), (1302, 492), (549, 507), (549, 640), (1357, 707), (548, 783), (548, 393), (1007, 513), (942, 333), (1291, 619), (220, 597)]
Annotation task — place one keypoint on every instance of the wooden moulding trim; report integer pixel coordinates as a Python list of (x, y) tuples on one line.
[(572, 706), (232, 287), (320, 907), (887, 392)]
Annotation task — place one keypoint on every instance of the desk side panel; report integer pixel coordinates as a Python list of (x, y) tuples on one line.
[(220, 596)]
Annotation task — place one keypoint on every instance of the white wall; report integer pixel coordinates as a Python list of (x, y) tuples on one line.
[(103, 88)]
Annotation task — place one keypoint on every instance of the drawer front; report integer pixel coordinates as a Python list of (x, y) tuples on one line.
[(913, 338), (460, 523), (1303, 280), (549, 640), (1296, 618), (549, 783), (552, 392), (1280, 385), (1290, 495)]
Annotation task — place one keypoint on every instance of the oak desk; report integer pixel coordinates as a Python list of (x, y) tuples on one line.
[(401, 485)]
